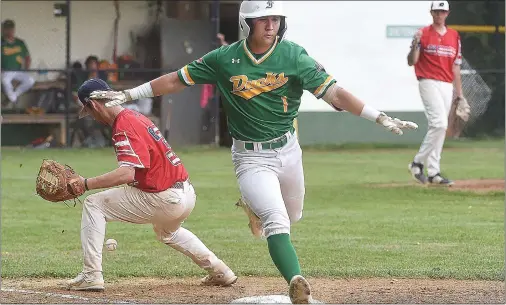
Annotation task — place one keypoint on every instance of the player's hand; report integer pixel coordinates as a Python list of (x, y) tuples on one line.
[(416, 38), (463, 109), (113, 98), (394, 124)]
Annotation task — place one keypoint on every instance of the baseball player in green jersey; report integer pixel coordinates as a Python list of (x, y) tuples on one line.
[(15, 57), (262, 79)]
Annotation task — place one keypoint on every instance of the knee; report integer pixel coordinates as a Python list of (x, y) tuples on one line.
[(276, 222), (439, 126), (93, 202), (294, 208), (90, 201), (294, 216), (164, 236)]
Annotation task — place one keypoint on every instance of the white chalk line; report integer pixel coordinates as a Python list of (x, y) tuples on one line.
[(65, 296)]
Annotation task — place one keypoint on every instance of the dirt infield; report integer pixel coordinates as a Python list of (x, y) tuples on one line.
[(188, 290), (472, 185), (479, 185)]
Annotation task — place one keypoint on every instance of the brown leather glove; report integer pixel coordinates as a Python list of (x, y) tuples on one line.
[(57, 182)]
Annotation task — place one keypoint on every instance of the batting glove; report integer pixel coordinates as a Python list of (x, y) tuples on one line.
[(394, 124), (114, 98), (463, 109)]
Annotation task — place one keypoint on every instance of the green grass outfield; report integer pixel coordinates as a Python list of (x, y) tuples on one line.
[(349, 229)]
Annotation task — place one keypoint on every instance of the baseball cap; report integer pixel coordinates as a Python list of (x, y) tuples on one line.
[(8, 24), (440, 6), (83, 93)]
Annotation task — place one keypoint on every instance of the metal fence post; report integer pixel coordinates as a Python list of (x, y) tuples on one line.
[(69, 77), (215, 17)]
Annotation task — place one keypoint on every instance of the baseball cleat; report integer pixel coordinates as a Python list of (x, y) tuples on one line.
[(300, 291), (255, 224), (223, 279), (416, 170), (440, 180), (86, 282)]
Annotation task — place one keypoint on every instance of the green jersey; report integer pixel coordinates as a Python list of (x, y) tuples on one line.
[(262, 93), (13, 54)]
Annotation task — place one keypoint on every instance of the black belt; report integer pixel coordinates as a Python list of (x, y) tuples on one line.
[(180, 184)]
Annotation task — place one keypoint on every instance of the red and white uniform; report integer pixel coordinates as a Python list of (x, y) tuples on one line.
[(139, 143), (152, 198), (434, 71), (438, 54)]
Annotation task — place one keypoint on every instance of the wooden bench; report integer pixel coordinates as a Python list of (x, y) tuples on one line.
[(52, 118)]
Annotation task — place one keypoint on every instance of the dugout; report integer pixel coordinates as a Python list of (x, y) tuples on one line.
[(160, 35), (168, 34)]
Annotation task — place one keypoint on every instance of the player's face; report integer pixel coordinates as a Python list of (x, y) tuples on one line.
[(439, 17), (265, 29), (97, 111), (92, 66), (9, 33)]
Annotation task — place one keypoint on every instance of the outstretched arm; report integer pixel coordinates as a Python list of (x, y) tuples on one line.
[(119, 176), (339, 98), (200, 71), (166, 84)]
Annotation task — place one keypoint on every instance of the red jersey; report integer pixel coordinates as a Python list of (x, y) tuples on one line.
[(139, 143), (438, 54)]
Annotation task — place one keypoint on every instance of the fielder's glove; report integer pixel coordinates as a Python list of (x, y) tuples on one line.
[(394, 124), (57, 182), (114, 98), (463, 110)]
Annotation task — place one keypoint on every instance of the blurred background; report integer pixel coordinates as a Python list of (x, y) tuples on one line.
[(60, 44)]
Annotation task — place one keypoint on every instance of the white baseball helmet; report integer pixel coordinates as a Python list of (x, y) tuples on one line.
[(255, 9)]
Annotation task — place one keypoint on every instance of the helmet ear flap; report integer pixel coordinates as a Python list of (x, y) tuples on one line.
[(282, 28), (249, 22)]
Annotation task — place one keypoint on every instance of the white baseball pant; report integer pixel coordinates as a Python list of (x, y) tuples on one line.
[(25, 79), (437, 99), (271, 183), (165, 210)]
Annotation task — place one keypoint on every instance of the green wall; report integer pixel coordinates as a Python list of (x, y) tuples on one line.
[(340, 128)]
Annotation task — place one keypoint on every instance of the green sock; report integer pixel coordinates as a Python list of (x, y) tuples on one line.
[(283, 255)]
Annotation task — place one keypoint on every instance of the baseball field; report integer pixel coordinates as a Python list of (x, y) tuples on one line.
[(368, 235)]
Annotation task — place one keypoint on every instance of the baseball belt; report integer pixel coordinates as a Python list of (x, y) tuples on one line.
[(180, 184), (278, 143)]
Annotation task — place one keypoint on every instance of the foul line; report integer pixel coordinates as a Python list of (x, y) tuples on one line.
[(65, 296)]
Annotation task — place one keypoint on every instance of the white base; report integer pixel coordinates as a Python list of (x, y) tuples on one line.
[(266, 299)]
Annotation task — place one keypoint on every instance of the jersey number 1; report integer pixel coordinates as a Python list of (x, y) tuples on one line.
[(285, 104)]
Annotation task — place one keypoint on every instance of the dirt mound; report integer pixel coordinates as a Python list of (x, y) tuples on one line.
[(473, 185), (479, 185), (188, 290)]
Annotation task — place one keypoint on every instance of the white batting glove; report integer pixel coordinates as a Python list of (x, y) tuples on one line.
[(463, 109), (394, 124), (114, 98)]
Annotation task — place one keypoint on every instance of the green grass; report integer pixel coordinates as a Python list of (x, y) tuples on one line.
[(349, 229)]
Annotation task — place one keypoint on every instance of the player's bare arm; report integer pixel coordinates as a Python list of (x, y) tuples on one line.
[(414, 53), (341, 99), (457, 81), (166, 84), (121, 175)]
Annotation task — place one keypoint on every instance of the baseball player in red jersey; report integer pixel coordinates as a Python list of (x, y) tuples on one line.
[(157, 191), (436, 55)]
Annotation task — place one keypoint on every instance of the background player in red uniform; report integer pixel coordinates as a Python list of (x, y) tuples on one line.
[(158, 191), (436, 55)]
